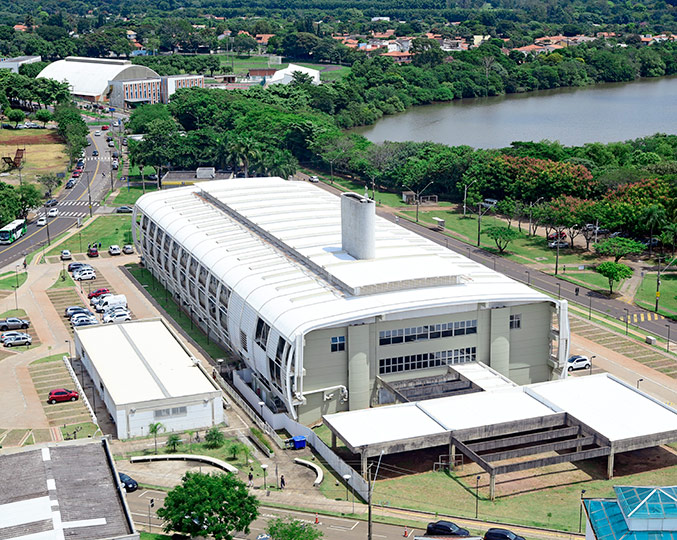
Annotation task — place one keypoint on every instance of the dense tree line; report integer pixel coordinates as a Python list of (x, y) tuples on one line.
[(178, 64), (23, 92)]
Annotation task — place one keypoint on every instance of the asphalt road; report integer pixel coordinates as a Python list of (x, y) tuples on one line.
[(73, 204), (586, 298)]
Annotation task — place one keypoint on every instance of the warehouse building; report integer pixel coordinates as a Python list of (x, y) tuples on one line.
[(327, 305), (14, 64), (63, 490), (144, 374)]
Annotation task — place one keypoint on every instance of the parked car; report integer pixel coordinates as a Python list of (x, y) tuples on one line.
[(115, 155), (79, 317), (127, 249), (14, 341), (98, 299), (41, 222), (114, 250), (85, 275), (501, 534), (97, 133), (12, 334), (95, 153), (152, 177), (111, 301), (76, 173), (84, 322), (558, 244), (53, 212), (71, 183), (72, 310), (66, 255), (97, 292), (72, 267), (314, 179), (116, 309), (109, 138), (446, 528), (105, 127), (111, 144), (61, 394), (128, 483), (117, 316), (51, 202), (553, 235), (92, 251), (578, 361), (13, 323), (124, 210)]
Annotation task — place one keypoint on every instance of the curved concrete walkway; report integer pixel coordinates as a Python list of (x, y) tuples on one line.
[(187, 457)]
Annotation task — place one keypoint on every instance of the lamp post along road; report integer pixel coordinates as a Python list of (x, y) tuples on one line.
[(465, 194), (487, 204)]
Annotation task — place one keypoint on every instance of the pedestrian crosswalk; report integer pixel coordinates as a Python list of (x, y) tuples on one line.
[(98, 158), (642, 317), (77, 203)]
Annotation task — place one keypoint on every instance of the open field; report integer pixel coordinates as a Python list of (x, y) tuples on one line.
[(646, 294), (45, 153), (242, 63), (129, 196), (108, 230)]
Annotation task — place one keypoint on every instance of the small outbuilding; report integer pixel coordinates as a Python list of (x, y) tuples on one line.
[(145, 374)]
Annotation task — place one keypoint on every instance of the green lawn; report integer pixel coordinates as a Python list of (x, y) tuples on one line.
[(13, 313), (646, 294), (47, 359), (63, 281), (128, 196), (382, 197), (8, 281), (87, 429), (591, 280), (108, 230), (135, 172), (153, 536), (164, 299)]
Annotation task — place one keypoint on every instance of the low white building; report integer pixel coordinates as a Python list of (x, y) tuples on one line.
[(15, 63), (145, 374), (286, 75)]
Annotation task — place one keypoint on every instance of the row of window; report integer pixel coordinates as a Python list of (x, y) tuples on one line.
[(421, 333), (426, 360), (174, 411)]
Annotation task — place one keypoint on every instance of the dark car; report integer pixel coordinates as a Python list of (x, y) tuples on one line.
[(71, 183), (97, 292), (72, 267), (61, 394), (152, 177), (72, 310), (124, 210), (51, 202), (128, 482), (446, 528), (115, 155), (93, 251), (501, 534), (95, 153)]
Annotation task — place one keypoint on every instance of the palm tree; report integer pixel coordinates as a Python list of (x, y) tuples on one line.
[(670, 230), (654, 217), (243, 150), (154, 428)]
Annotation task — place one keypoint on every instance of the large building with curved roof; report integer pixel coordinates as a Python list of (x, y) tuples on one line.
[(326, 304), (90, 78)]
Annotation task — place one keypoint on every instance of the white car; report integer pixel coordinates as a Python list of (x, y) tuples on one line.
[(578, 361), (78, 317), (53, 212), (97, 133), (66, 255), (114, 250), (98, 299), (558, 244), (128, 249), (117, 316), (85, 275), (314, 179), (116, 309), (42, 221)]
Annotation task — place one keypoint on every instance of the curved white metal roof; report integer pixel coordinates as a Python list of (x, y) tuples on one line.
[(90, 76), (271, 235)]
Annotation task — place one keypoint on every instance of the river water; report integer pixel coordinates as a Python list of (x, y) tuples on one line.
[(573, 116)]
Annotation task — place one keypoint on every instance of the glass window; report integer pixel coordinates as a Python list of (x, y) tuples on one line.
[(515, 321), (338, 344)]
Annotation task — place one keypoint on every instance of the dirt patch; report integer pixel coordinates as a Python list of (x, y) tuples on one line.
[(46, 137)]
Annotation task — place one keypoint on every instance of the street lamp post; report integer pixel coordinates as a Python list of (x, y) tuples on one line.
[(627, 320), (261, 405), (658, 280), (591, 359), (465, 194), (16, 288), (264, 467), (70, 356), (49, 240), (528, 277), (346, 477), (639, 381), (559, 290), (487, 207), (89, 196), (418, 194), (667, 345), (477, 495), (580, 512)]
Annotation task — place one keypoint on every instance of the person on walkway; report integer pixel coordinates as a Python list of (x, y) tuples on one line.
[(250, 477), (282, 482)]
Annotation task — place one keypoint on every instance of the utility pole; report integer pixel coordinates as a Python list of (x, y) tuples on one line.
[(89, 195), (465, 194), (370, 491)]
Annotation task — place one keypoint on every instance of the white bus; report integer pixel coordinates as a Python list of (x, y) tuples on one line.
[(12, 231)]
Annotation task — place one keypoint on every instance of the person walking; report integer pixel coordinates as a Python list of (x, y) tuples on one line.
[(282, 482), (250, 477)]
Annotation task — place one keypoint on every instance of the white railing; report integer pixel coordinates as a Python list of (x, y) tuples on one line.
[(81, 390)]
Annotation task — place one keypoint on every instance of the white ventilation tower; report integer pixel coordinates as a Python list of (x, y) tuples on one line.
[(358, 226)]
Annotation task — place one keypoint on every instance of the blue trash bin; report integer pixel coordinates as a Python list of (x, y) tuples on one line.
[(299, 442)]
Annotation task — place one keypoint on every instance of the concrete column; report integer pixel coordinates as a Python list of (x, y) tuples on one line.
[(610, 466), (452, 455), (358, 367), (364, 465), (499, 348), (492, 486), (333, 440)]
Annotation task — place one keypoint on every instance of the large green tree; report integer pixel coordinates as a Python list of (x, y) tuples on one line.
[(619, 247), (502, 236), (614, 272), (216, 505), (292, 529)]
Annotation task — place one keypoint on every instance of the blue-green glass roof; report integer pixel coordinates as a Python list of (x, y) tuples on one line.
[(647, 502), (608, 523)]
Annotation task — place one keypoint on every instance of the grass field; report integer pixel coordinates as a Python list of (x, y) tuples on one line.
[(160, 295), (8, 280), (13, 313), (592, 280), (129, 196), (646, 294), (153, 536), (242, 63), (108, 230), (44, 153)]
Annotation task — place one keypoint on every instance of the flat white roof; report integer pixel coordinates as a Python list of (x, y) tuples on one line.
[(141, 361), (273, 233), (610, 407), (483, 376)]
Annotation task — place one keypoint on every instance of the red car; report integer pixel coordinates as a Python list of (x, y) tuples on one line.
[(76, 173), (104, 128), (61, 394), (97, 292), (93, 252), (553, 235)]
